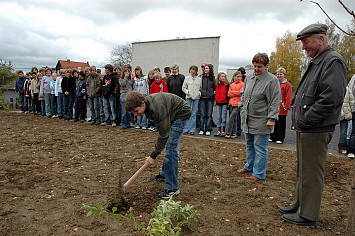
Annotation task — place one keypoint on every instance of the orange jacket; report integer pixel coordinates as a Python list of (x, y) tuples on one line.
[(234, 93)]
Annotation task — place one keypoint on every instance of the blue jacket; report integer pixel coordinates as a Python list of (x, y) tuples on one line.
[(20, 83)]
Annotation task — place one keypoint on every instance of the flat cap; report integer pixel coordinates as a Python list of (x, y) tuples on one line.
[(312, 29)]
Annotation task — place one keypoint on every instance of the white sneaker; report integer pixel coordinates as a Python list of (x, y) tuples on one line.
[(144, 128), (208, 133), (201, 132), (279, 142), (138, 127), (270, 140), (351, 155)]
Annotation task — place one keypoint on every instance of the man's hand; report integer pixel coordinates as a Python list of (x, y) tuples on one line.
[(270, 123), (150, 160)]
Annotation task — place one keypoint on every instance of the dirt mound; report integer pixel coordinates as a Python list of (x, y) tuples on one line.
[(49, 168)]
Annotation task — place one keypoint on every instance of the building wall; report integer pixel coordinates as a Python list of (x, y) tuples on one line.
[(248, 72), (183, 52)]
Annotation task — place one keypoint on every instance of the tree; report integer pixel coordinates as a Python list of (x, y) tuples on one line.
[(121, 54), (288, 55), (347, 50), (348, 10), (7, 73)]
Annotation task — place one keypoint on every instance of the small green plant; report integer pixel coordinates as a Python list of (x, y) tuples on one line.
[(167, 219)]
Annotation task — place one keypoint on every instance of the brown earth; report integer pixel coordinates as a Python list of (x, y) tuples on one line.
[(49, 168)]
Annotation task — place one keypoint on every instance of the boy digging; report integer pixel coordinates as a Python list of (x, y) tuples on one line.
[(169, 112)]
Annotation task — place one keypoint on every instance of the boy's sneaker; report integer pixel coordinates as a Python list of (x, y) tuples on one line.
[(227, 136), (279, 142), (223, 134), (351, 155), (218, 134), (208, 133), (233, 136), (151, 128), (114, 124), (138, 127), (201, 132), (103, 124), (157, 178), (155, 130), (168, 193), (144, 128)]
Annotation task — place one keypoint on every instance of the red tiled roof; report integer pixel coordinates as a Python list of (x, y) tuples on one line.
[(72, 64)]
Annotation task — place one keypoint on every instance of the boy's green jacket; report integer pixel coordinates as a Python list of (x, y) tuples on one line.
[(162, 109)]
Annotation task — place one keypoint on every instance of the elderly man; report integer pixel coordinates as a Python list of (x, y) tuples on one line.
[(316, 111)]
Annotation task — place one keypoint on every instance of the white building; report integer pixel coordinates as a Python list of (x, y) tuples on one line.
[(183, 52)]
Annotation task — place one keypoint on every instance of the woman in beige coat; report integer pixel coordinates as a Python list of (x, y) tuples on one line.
[(346, 115)]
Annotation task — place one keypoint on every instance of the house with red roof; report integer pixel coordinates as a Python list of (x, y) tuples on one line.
[(67, 64)]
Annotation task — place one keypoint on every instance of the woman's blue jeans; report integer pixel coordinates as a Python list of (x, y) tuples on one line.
[(47, 100), (343, 131), (257, 154), (171, 160), (125, 115), (206, 108), (190, 124), (94, 109), (110, 109), (222, 115), (60, 104), (142, 121)]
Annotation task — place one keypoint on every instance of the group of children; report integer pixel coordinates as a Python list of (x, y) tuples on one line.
[(55, 95)]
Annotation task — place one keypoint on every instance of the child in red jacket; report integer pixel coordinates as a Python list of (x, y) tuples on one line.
[(278, 135), (159, 85), (222, 100)]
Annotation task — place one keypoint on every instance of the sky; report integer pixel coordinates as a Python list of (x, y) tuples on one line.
[(39, 33)]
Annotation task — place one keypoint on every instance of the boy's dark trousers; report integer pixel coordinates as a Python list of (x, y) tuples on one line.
[(80, 111)]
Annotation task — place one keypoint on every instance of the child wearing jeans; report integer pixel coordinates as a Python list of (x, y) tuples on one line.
[(53, 97), (234, 94), (221, 97), (141, 85)]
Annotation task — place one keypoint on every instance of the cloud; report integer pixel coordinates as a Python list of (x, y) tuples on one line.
[(40, 31)]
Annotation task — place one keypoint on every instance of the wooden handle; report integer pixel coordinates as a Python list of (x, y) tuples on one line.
[(135, 176)]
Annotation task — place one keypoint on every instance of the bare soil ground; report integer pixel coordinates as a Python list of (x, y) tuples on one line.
[(49, 168)]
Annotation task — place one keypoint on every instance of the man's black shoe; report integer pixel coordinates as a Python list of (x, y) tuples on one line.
[(294, 218), (157, 178), (288, 209)]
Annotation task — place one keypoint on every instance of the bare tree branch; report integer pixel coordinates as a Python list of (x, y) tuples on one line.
[(347, 9)]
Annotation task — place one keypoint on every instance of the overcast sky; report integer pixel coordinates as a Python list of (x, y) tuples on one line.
[(39, 33)]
